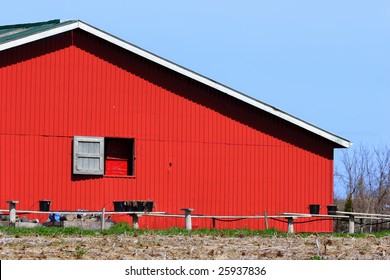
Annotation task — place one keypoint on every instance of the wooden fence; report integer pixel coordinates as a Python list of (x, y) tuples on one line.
[(188, 216)]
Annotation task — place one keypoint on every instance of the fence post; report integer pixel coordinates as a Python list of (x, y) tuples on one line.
[(290, 221), (371, 226), (266, 219), (103, 210), (187, 215), (135, 221), (351, 224), (213, 222), (12, 210)]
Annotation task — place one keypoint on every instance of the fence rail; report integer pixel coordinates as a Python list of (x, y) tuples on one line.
[(188, 215)]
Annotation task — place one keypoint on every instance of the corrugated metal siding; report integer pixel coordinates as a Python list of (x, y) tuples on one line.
[(194, 147)]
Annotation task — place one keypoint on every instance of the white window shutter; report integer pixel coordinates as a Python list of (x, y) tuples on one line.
[(88, 155)]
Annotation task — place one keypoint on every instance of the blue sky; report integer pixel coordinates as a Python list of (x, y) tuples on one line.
[(326, 62)]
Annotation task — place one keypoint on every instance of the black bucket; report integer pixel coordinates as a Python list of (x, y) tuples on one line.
[(314, 209), (44, 205), (149, 205), (140, 205), (131, 206), (332, 209), (119, 206)]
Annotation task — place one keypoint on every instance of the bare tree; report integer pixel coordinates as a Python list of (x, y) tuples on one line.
[(382, 180), (365, 177)]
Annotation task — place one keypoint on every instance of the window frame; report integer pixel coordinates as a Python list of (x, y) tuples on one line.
[(77, 155), (129, 156), (101, 155)]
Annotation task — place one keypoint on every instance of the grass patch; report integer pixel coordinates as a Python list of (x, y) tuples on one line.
[(378, 234), (46, 231), (381, 233), (316, 258), (80, 251), (126, 229)]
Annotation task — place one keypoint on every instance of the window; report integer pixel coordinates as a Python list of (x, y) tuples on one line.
[(88, 155), (119, 156), (103, 156)]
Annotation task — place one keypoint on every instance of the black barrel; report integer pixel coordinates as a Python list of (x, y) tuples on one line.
[(44, 205), (149, 205), (119, 206), (314, 209), (332, 209)]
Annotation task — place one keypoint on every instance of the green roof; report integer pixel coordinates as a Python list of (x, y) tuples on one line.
[(17, 31)]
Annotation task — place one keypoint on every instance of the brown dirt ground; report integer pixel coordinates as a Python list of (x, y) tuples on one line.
[(157, 247)]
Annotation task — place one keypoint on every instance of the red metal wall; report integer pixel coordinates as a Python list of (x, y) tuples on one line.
[(194, 147)]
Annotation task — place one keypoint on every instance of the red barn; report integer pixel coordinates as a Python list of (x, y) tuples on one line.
[(87, 119)]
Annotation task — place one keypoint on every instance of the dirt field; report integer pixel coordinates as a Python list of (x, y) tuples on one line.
[(194, 247)]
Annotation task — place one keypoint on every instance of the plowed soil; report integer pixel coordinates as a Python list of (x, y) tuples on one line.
[(158, 247)]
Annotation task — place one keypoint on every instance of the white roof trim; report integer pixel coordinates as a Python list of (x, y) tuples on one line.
[(38, 36), (179, 69)]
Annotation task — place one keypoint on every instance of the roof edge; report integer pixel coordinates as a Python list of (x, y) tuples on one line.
[(34, 24), (60, 27)]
